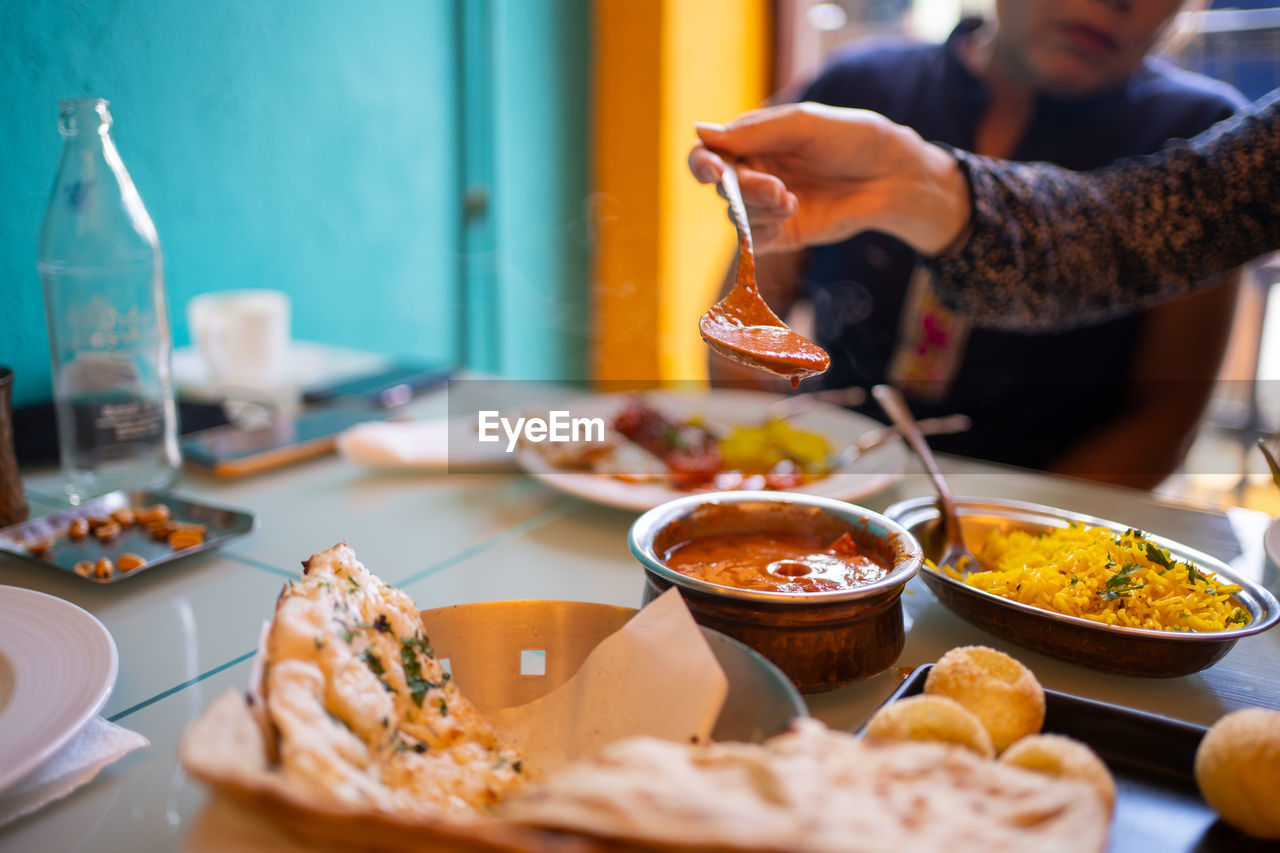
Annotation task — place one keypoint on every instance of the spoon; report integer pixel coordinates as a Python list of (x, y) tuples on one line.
[(741, 326), (1271, 461), (955, 554)]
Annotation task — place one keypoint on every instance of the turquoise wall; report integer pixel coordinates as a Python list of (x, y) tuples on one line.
[(317, 146)]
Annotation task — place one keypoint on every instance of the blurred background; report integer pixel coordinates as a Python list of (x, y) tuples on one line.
[(499, 184)]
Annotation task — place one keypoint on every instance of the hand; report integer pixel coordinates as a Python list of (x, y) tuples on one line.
[(813, 174)]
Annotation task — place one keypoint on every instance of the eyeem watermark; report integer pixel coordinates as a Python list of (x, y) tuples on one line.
[(558, 426)]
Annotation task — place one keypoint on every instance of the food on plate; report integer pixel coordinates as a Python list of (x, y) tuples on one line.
[(930, 718), (999, 690), (646, 444), (812, 789), (778, 562), (359, 710), (1094, 573), (1058, 755), (1238, 770)]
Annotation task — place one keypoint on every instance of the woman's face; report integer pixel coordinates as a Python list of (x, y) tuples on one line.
[(1073, 48)]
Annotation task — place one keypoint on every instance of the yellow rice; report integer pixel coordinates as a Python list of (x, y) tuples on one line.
[(1096, 573)]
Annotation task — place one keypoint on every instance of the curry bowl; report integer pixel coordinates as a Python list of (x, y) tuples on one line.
[(1119, 649), (822, 639)]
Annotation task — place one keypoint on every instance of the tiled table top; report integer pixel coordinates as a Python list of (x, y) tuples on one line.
[(188, 632)]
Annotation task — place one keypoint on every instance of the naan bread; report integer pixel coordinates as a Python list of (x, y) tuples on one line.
[(813, 790), (359, 709)]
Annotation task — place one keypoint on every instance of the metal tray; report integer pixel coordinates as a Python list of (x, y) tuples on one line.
[(221, 524), (1158, 806)]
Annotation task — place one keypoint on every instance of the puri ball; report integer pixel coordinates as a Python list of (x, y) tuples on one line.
[(1238, 770), (1062, 756), (931, 718), (994, 687)]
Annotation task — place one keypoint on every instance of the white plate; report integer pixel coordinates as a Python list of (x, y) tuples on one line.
[(57, 667), (1271, 542), (869, 473)]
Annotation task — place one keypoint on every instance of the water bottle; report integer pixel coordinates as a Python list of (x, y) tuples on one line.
[(103, 280)]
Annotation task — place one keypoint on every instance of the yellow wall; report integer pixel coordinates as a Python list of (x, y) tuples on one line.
[(664, 240)]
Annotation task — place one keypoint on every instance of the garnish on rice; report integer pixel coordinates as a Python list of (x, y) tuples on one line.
[(1125, 579)]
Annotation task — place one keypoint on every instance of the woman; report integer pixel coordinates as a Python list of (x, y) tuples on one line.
[(1061, 80)]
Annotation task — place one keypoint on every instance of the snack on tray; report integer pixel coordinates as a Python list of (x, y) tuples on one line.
[(1238, 770), (810, 790), (930, 718), (1058, 755), (995, 687)]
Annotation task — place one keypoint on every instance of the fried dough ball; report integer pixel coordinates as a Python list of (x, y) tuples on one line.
[(1238, 770), (933, 718), (1057, 755), (994, 687)]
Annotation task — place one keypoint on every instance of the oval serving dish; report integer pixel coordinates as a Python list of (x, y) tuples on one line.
[(821, 640), (1110, 648)]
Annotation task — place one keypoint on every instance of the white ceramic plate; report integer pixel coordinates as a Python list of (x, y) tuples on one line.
[(57, 667), (869, 473), (1271, 543)]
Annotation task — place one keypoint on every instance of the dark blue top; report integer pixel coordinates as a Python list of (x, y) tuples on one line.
[(1031, 396)]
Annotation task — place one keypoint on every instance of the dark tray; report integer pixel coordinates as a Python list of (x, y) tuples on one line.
[(1158, 807), (220, 524)]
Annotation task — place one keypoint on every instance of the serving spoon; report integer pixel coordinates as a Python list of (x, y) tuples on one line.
[(955, 553), (741, 326)]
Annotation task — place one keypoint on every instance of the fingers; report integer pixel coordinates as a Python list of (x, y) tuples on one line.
[(756, 132), (705, 165)]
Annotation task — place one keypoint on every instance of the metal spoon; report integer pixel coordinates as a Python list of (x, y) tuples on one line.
[(741, 326), (955, 554), (1271, 461)]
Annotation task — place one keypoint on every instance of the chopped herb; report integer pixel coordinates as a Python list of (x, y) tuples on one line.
[(444, 708), (1184, 614), (381, 624), (1238, 618), (372, 661), (500, 763), (1193, 575), (1120, 585), (319, 645), (1158, 555), (1074, 580), (418, 685), (355, 587), (345, 634), (518, 767)]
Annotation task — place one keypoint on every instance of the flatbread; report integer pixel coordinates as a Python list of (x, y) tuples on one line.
[(359, 710), (813, 790)]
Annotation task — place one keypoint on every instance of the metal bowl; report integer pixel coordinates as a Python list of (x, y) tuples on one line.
[(1123, 650), (486, 642), (821, 640)]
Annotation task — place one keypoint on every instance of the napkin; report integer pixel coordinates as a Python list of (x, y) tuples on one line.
[(421, 445), (76, 764), (654, 676)]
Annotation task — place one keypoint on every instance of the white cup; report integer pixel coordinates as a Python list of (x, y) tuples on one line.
[(243, 337)]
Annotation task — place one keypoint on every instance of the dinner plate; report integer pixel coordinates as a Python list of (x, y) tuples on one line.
[(869, 473), (57, 667)]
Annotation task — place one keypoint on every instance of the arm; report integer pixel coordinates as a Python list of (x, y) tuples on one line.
[(1145, 229), (1149, 228), (778, 277), (1180, 349)]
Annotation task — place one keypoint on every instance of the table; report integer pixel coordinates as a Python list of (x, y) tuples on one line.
[(188, 632)]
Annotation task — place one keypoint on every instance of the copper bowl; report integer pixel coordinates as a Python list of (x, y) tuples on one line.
[(821, 640), (1110, 648)]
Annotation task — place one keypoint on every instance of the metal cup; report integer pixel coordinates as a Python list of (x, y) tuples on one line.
[(13, 501)]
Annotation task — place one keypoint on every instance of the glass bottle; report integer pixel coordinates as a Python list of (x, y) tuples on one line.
[(103, 279)]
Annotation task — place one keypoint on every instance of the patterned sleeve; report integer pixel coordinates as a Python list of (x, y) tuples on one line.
[(1144, 229)]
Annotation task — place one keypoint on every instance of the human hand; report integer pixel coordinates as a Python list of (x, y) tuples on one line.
[(813, 174)]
